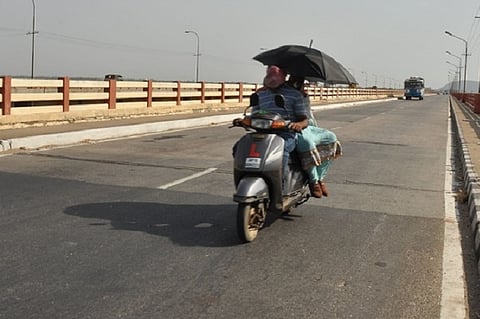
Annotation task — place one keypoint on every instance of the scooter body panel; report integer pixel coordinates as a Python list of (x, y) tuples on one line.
[(260, 156), (251, 189)]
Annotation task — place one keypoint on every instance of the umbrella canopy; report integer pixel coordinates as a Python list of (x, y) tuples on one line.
[(307, 62)]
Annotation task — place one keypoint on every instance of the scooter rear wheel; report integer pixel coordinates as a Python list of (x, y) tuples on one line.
[(250, 218)]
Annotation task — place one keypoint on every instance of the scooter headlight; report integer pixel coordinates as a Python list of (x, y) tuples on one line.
[(261, 124)]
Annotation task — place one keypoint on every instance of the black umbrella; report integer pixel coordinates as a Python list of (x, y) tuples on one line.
[(307, 62)]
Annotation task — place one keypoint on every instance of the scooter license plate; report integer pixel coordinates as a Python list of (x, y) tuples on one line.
[(253, 162)]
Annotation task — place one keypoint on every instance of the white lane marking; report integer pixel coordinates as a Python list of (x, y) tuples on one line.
[(182, 180), (203, 225), (453, 279)]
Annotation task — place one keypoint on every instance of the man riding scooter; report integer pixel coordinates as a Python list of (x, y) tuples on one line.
[(294, 110), (265, 178)]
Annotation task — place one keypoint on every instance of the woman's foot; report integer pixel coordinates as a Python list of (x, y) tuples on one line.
[(323, 188), (316, 190)]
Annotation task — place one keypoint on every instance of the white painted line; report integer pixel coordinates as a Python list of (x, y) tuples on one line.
[(182, 180), (453, 303)]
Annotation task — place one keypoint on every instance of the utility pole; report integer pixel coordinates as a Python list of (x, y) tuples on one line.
[(33, 33)]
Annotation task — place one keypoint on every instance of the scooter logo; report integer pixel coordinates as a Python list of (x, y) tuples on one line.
[(254, 160), (253, 151)]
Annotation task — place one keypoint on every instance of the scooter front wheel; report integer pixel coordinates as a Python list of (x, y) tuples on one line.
[(250, 218)]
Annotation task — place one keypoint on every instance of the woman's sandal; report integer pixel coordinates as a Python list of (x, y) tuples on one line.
[(324, 189), (316, 190)]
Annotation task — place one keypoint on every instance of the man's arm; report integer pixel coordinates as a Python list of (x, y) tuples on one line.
[(300, 124), (301, 118)]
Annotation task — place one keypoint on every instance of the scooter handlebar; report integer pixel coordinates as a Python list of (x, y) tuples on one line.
[(245, 122), (241, 122), (236, 122)]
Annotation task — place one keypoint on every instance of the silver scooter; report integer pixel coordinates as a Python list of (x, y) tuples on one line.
[(258, 170)]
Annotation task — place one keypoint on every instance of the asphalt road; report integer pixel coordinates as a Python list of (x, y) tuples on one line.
[(145, 227)]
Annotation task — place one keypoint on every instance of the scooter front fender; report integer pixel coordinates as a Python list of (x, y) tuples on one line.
[(251, 189)]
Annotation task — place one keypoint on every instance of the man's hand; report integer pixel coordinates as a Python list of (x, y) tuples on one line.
[(296, 126)]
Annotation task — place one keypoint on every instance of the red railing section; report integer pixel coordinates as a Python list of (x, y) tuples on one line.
[(471, 99)]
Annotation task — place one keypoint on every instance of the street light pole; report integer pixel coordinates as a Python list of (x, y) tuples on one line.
[(366, 78), (198, 52), (459, 71), (459, 67), (453, 75), (375, 79), (466, 55), (33, 38)]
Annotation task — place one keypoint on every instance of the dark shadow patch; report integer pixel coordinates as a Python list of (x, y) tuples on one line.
[(185, 225), (378, 143), (168, 137)]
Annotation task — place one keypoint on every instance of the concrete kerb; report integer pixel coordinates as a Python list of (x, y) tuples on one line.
[(5, 145), (108, 133), (471, 185), (102, 134), (348, 104)]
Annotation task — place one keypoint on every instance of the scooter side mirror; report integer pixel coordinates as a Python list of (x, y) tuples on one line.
[(254, 99), (280, 100)]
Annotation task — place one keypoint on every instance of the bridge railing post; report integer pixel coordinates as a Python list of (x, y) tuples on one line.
[(179, 93), (202, 92), (112, 94), (149, 90), (240, 92), (65, 90), (6, 92), (222, 93)]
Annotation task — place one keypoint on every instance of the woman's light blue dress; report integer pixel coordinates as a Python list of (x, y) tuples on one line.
[(317, 147)]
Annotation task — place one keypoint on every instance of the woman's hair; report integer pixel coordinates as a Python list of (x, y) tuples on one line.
[(296, 81)]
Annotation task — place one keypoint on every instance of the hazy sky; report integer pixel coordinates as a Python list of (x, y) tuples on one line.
[(386, 40)]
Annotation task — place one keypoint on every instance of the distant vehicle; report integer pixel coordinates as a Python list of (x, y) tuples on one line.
[(414, 88), (117, 77)]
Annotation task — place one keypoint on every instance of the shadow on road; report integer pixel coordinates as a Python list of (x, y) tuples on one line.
[(186, 225)]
